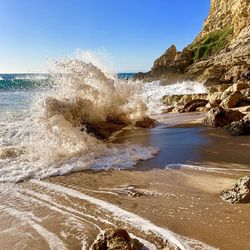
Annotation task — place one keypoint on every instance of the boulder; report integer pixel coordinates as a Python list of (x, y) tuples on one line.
[(147, 122), (219, 117), (116, 239), (189, 97), (181, 99), (191, 106), (240, 193), (232, 100), (102, 130), (238, 128), (238, 86)]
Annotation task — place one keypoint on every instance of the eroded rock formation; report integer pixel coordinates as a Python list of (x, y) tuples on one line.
[(240, 193), (114, 239), (219, 54)]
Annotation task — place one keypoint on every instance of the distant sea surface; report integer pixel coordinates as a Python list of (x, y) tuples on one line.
[(23, 82)]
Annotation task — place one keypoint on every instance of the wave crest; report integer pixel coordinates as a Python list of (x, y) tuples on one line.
[(54, 139)]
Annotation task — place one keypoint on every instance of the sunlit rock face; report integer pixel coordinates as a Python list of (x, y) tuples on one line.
[(219, 54)]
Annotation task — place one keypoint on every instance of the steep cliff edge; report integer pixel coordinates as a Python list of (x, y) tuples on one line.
[(219, 54)]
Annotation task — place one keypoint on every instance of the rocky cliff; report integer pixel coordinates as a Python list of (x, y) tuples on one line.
[(219, 54)]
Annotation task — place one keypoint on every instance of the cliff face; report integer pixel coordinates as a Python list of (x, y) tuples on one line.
[(220, 53)]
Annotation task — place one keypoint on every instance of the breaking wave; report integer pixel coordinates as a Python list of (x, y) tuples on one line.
[(50, 138), (53, 135), (154, 91)]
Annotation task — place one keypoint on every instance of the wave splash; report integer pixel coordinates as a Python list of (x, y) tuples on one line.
[(52, 138), (154, 91)]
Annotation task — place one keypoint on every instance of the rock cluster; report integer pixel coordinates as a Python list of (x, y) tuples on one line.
[(219, 117), (219, 54), (225, 95), (104, 129), (240, 193), (218, 102), (116, 239)]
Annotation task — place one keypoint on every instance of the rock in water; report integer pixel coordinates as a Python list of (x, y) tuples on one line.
[(116, 239), (241, 127), (219, 117), (102, 130), (191, 106), (147, 122), (240, 193)]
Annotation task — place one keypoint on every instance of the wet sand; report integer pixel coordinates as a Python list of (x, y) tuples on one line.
[(70, 209)]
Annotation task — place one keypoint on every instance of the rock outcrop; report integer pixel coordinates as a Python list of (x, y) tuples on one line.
[(116, 239), (219, 54), (219, 117), (193, 105), (240, 193), (226, 96), (104, 129), (241, 127)]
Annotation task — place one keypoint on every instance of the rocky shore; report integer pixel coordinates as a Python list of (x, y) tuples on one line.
[(219, 54), (221, 104)]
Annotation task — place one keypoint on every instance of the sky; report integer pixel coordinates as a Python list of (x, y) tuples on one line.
[(133, 33)]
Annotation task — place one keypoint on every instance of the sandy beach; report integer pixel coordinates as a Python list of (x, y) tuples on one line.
[(178, 190)]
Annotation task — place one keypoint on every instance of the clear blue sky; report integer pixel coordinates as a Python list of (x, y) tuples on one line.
[(134, 32)]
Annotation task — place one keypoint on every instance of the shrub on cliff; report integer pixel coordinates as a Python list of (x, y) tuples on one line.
[(211, 44)]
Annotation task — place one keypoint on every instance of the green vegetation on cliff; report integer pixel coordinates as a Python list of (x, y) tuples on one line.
[(211, 44)]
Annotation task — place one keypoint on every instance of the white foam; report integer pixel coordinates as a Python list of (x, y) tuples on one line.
[(127, 217), (154, 91), (34, 77), (205, 168), (48, 140)]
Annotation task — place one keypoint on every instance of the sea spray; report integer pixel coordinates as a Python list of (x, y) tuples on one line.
[(154, 91), (51, 140)]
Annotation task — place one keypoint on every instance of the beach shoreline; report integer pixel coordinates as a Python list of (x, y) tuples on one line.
[(177, 191), (183, 199)]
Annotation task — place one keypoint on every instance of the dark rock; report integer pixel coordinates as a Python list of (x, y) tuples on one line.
[(238, 128), (147, 122), (102, 130), (241, 127), (192, 105), (219, 117), (116, 239), (244, 102), (240, 193)]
